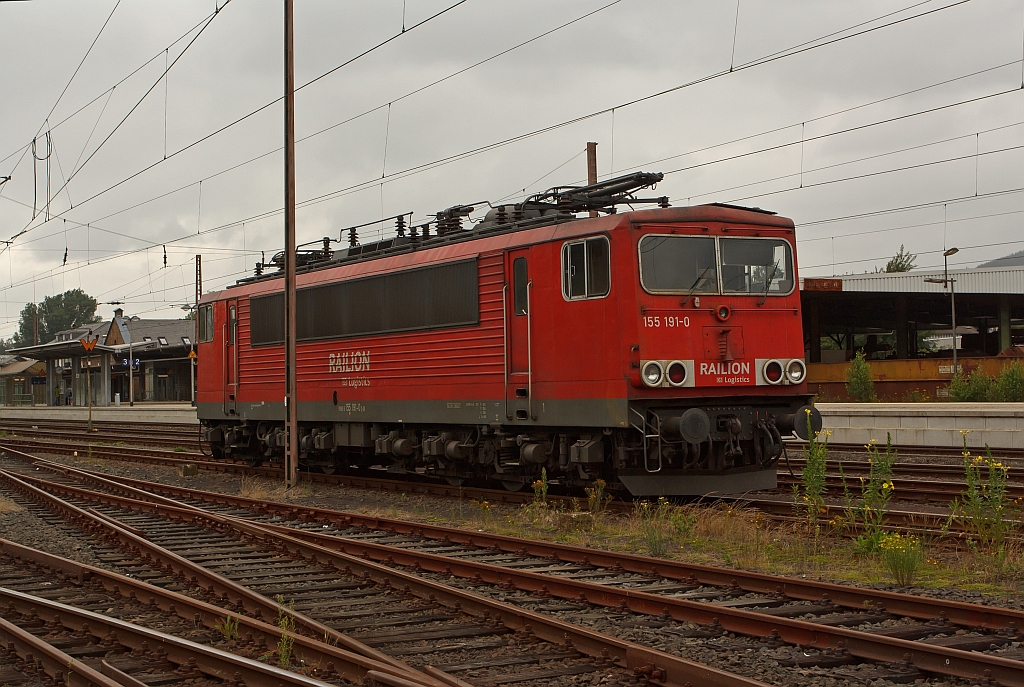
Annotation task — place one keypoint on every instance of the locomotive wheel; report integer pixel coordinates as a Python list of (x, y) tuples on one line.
[(455, 481), (327, 469), (253, 462), (512, 486)]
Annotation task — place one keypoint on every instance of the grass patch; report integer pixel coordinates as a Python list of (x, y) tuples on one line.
[(253, 487)]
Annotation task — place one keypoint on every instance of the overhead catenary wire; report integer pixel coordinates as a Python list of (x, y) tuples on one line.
[(24, 149), (800, 48), (349, 119), (136, 105)]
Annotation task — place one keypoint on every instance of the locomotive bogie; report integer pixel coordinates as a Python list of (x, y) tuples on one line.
[(658, 350)]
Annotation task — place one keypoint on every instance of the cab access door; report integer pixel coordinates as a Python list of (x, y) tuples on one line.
[(519, 355), (230, 357)]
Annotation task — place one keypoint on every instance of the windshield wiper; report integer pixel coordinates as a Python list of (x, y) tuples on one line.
[(693, 287), (768, 284)]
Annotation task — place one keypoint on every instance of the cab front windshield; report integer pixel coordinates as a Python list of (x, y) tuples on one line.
[(707, 264)]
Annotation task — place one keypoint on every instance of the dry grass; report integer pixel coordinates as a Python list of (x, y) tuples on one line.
[(254, 488), (8, 506)]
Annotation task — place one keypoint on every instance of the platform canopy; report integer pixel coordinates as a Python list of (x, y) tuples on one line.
[(989, 304)]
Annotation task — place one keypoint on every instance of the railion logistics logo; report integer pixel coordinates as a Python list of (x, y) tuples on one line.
[(726, 373)]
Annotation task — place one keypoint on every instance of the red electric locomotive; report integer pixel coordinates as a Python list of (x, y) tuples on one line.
[(660, 350)]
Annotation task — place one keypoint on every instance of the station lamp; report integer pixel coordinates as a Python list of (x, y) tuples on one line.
[(947, 281)]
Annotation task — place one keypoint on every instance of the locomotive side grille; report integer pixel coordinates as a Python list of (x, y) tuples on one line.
[(426, 298)]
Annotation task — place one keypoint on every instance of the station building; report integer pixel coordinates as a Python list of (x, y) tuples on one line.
[(154, 352), (22, 381), (903, 323)]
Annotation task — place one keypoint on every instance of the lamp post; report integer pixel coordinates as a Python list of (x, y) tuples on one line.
[(947, 281)]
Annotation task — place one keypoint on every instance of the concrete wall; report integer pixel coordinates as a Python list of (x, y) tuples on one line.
[(999, 425), (170, 413)]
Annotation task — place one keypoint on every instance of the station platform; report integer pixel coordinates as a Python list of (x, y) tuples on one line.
[(999, 425), (170, 413)]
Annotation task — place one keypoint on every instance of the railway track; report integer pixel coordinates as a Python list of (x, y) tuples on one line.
[(400, 619), (914, 481), (110, 630), (774, 610), (930, 517), (153, 434), (777, 506)]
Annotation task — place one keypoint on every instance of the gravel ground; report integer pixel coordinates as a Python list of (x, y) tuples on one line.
[(21, 525)]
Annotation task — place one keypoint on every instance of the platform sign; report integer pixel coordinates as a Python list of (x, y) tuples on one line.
[(819, 284), (135, 363)]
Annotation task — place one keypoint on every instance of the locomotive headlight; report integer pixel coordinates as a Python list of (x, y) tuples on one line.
[(796, 370), (653, 373), (676, 373), (772, 372)]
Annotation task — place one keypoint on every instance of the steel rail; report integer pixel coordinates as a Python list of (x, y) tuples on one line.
[(926, 470), (216, 584), (905, 489), (316, 546), (966, 614), (933, 524), (207, 659), (347, 664), (661, 667), (41, 655), (171, 458)]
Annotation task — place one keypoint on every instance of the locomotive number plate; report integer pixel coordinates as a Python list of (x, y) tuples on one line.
[(666, 321)]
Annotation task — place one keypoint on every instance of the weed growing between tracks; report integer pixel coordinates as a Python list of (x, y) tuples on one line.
[(8, 506), (287, 625), (987, 513), (902, 556), (866, 514)]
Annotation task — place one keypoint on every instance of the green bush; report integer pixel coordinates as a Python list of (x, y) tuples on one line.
[(1009, 385), (970, 388), (859, 386)]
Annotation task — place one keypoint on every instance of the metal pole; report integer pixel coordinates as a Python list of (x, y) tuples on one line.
[(131, 373), (952, 302), (592, 168), (291, 423), (195, 316), (88, 388)]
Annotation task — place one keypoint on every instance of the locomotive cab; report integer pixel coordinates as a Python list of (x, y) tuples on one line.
[(717, 374)]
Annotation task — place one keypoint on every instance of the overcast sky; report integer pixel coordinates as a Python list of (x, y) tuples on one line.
[(883, 115)]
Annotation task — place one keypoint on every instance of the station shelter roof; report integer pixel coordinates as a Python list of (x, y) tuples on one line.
[(984, 280)]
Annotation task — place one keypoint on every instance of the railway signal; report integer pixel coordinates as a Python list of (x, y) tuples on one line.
[(89, 344)]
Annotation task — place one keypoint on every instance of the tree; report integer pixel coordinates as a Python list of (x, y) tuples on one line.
[(903, 261), (67, 310)]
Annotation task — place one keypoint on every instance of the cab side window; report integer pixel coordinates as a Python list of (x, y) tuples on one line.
[(205, 323), (520, 278), (586, 268)]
